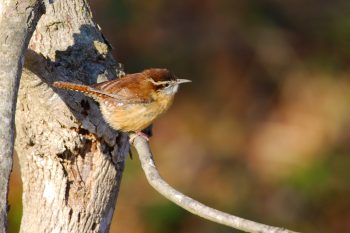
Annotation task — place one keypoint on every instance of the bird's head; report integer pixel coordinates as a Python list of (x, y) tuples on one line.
[(164, 81)]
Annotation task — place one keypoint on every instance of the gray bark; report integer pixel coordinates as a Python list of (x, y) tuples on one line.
[(71, 161), (17, 23)]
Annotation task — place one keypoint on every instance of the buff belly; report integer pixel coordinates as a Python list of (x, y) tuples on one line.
[(132, 117)]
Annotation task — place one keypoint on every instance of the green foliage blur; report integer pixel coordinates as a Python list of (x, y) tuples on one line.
[(263, 131)]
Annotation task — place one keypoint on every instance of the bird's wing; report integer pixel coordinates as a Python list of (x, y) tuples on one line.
[(130, 89)]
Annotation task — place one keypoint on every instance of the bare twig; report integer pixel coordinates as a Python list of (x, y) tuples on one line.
[(190, 204)]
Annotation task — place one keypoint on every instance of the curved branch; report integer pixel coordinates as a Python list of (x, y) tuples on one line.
[(190, 204)]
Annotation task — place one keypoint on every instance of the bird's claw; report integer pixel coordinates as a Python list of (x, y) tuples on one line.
[(134, 135)]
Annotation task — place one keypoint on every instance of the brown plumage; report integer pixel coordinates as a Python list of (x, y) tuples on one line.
[(132, 102)]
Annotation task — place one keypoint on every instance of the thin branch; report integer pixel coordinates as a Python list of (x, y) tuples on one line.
[(190, 204)]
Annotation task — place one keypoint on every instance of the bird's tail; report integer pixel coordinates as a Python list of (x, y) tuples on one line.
[(88, 91), (71, 86)]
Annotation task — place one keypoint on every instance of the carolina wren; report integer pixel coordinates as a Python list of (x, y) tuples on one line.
[(133, 102)]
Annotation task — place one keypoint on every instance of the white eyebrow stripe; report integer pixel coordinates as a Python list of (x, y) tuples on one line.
[(159, 82)]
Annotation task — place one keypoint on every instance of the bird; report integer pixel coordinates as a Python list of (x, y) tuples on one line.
[(131, 103)]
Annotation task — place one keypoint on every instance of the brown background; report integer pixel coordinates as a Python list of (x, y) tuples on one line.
[(263, 131)]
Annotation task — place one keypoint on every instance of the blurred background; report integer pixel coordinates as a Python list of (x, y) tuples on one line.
[(262, 132)]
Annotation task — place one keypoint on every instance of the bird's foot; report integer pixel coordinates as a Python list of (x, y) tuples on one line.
[(134, 135)]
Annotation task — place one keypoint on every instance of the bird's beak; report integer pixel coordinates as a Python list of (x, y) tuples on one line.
[(178, 81)]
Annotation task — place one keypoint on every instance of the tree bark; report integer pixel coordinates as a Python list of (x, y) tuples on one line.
[(71, 160), (17, 23)]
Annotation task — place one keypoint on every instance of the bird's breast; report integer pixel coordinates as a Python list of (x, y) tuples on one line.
[(133, 117)]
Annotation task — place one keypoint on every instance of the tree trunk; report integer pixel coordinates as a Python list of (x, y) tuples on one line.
[(71, 161), (17, 23)]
